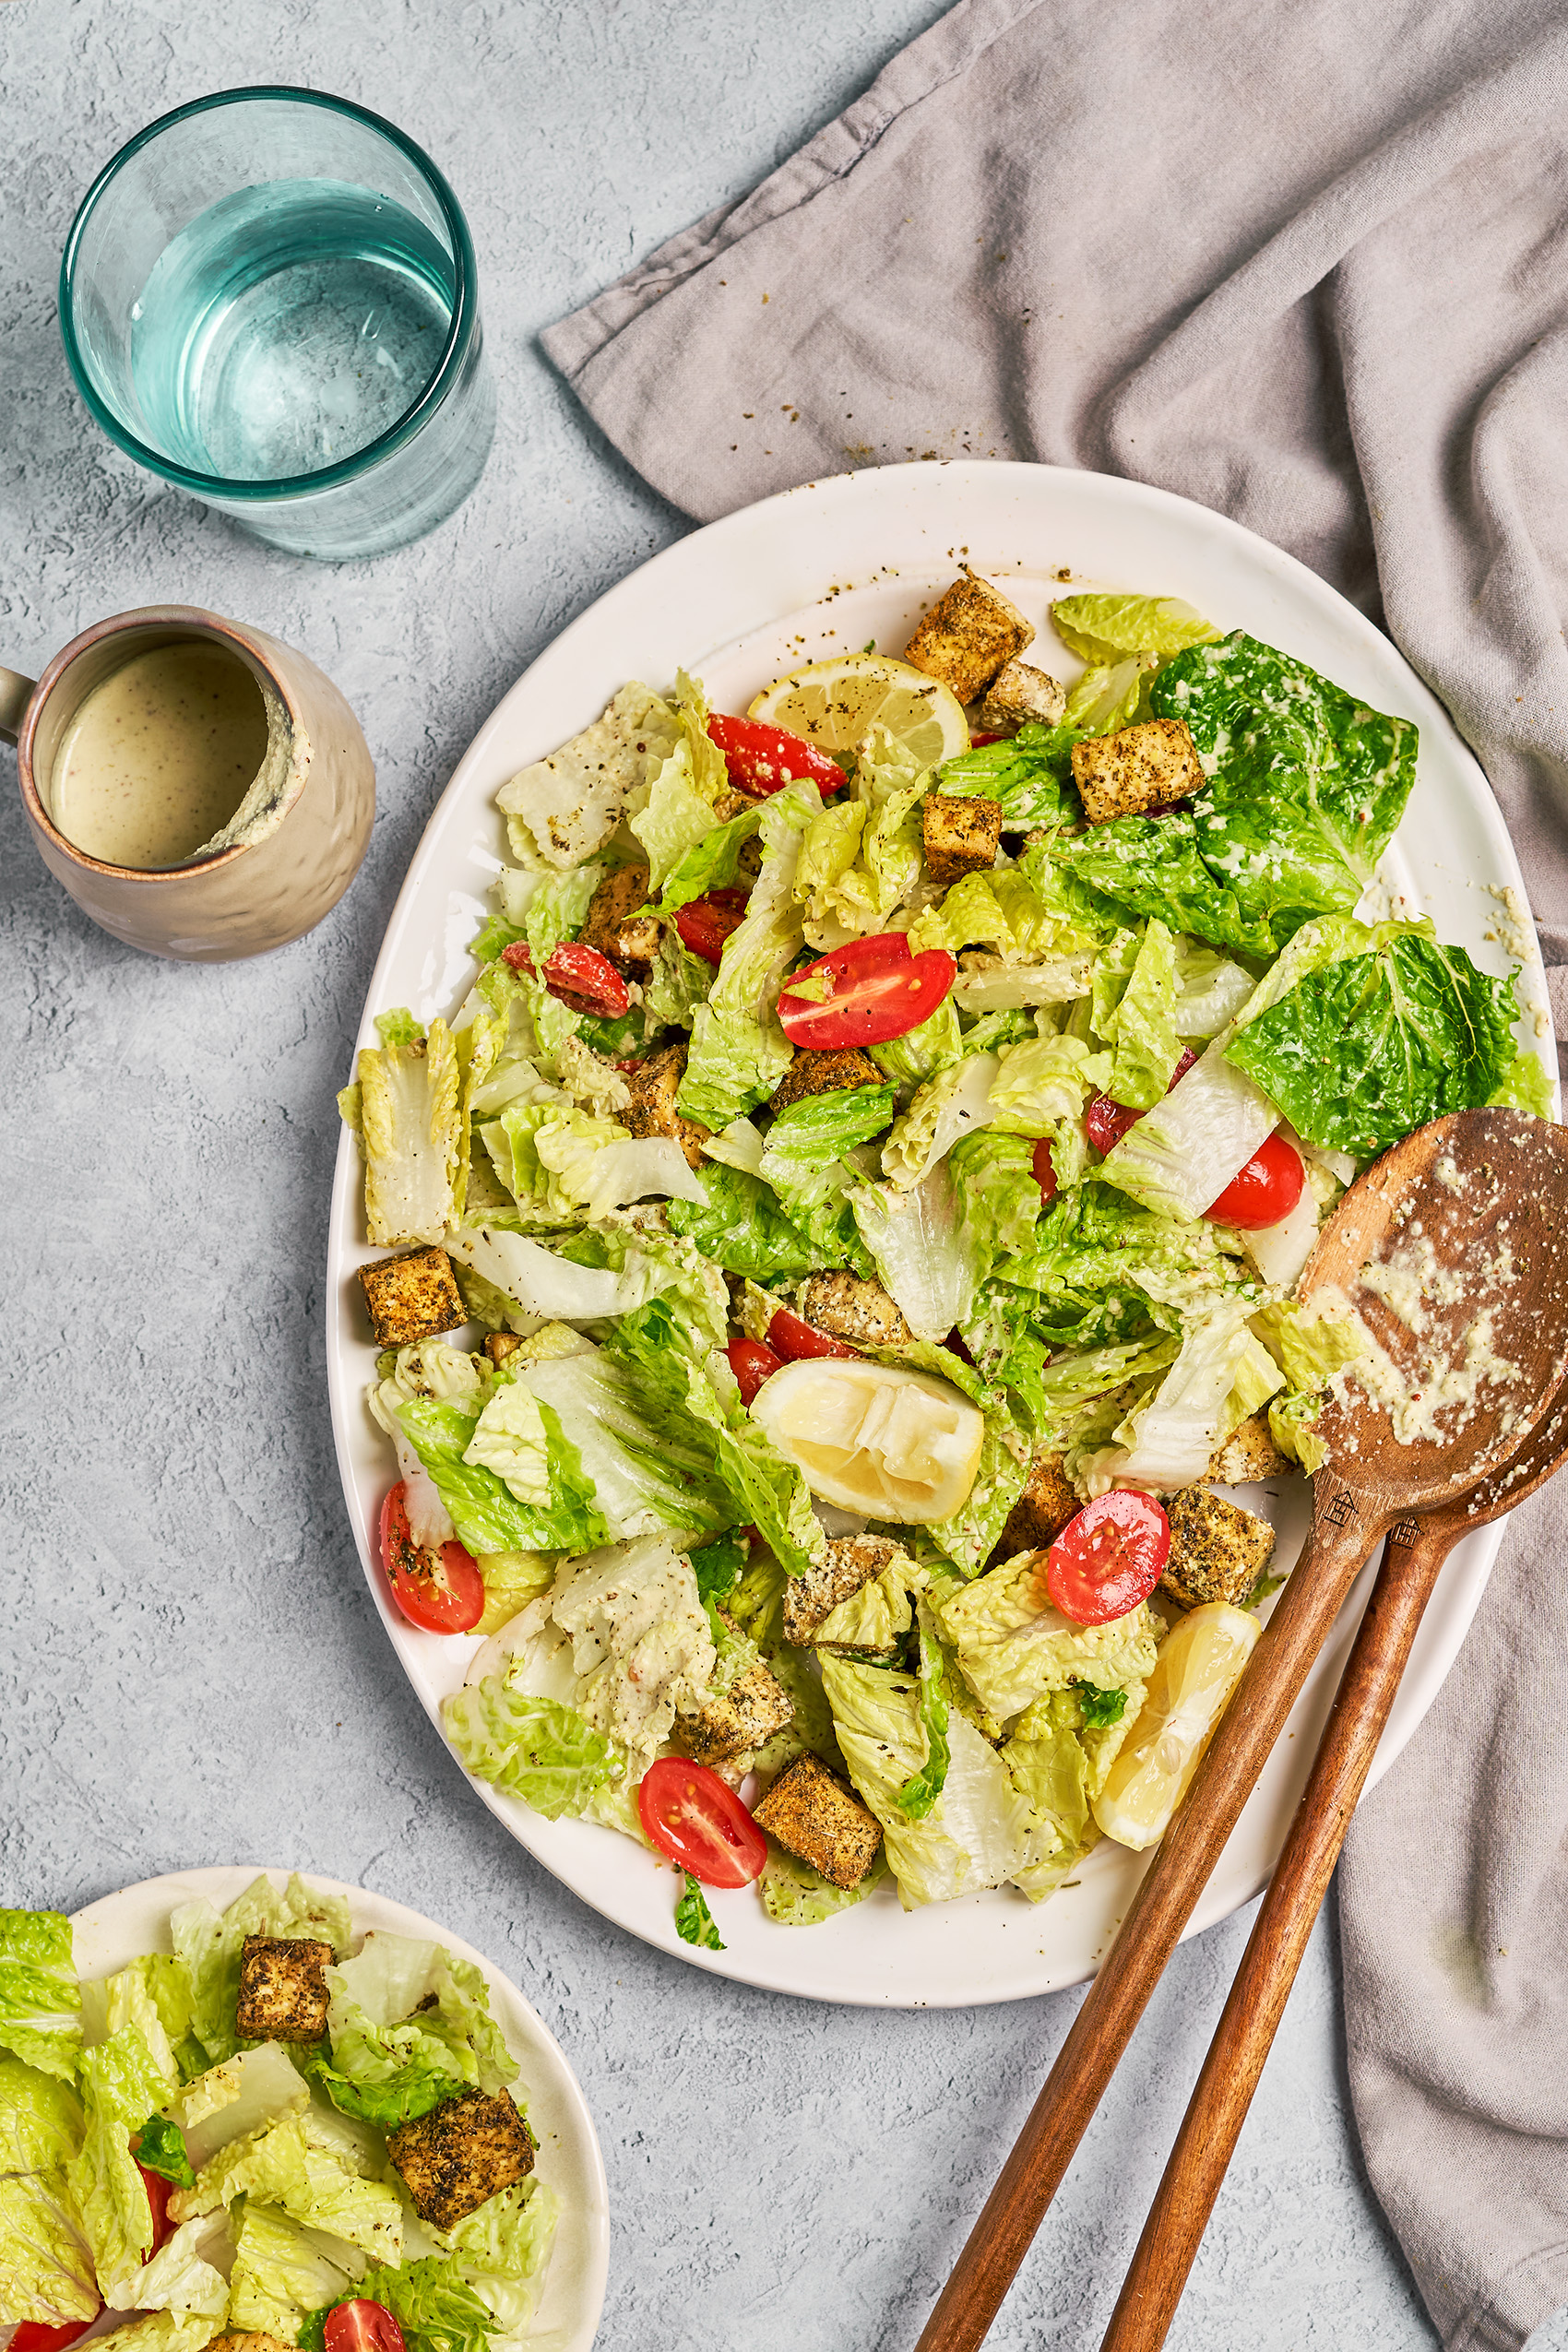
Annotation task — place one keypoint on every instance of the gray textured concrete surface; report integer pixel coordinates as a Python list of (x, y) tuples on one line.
[(192, 1670)]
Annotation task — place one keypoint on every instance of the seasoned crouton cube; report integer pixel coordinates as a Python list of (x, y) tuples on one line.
[(811, 1814), (613, 925), (967, 635), (1020, 695), (847, 1564), (499, 1345), (823, 1074), (463, 2152), (1041, 1511), (746, 1716), (1138, 768), (960, 835), (862, 1312), (1248, 1454), (1218, 1550), (413, 1297), (651, 1112), (283, 1991)]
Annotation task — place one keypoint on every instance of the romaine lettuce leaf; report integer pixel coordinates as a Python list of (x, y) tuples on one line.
[(410, 1127), (559, 810), (1100, 628), (794, 1896), (1525, 1085), (410, 2026), (40, 2119), (432, 2302), (712, 862), (1181, 1155), (284, 2272), (679, 811), (921, 1053), (1165, 1441), (1013, 1642), (535, 1749), (1368, 1047), (1308, 783), (1150, 866), (161, 2332), (862, 855), (46, 2273), (804, 1152), (976, 1834), (954, 1104), (120, 2084), (486, 1513), (922, 1251), (923, 1786), (744, 1228), (739, 1051), (694, 1921), (1143, 1025), (178, 2278), (40, 2000), (648, 1470), (1028, 774)]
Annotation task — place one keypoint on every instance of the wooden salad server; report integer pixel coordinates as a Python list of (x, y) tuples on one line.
[(1479, 1201), (1416, 1550)]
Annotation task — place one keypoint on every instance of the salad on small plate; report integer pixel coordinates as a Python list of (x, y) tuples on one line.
[(876, 1158), (282, 2115)]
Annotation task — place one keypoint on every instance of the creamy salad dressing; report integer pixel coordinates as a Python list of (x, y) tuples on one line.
[(178, 753)]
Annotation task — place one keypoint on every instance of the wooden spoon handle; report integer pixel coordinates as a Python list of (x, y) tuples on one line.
[(1218, 2106), (1341, 1541)]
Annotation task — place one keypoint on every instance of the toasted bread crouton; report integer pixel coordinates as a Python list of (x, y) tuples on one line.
[(283, 1991), (1020, 695), (413, 1297), (862, 1312), (813, 1815), (1218, 1550), (1138, 768), (613, 925), (823, 1074), (1041, 1511), (461, 2153), (499, 1345), (967, 635), (1249, 1453), (961, 835), (651, 1112), (847, 1564), (746, 1716)]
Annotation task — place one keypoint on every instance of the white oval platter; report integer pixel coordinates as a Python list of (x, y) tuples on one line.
[(815, 571)]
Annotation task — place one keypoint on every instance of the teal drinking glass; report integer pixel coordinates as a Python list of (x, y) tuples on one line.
[(269, 298)]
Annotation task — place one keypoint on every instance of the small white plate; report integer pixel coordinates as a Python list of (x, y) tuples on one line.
[(117, 1929), (810, 573)]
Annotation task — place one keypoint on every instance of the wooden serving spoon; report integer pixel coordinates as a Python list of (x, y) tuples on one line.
[(1479, 1202), (1416, 1550)]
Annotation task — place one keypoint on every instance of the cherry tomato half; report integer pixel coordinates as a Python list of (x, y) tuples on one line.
[(1108, 1557), (441, 1591), (1105, 1122), (705, 923), (34, 2336), (158, 2198), (1265, 1190), (876, 989), (979, 742), (693, 1817), (752, 1363), (791, 1338), (1044, 1171), (584, 980), (362, 2326), (764, 759)]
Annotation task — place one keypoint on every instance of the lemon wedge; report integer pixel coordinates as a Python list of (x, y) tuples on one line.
[(836, 704), (1199, 1665), (894, 1444)]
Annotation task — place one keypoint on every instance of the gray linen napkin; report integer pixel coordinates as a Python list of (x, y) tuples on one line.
[(1307, 264)]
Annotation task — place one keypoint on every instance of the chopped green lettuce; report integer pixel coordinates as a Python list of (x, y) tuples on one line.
[(284, 2272), (122, 2084), (40, 2000), (1013, 1642), (863, 856), (1100, 629), (210, 1943), (410, 2026), (535, 1749), (739, 1051), (1525, 1085), (742, 1228), (953, 1104), (794, 1896), (410, 1127), (921, 1248), (923, 1786), (432, 2302), (1027, 774), (679, 811), (46, 2273), (694, 1921), (1142, 1026), (485, 1511), (1181, 1155)]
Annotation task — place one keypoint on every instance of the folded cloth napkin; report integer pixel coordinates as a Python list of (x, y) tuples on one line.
[(1309, 264)]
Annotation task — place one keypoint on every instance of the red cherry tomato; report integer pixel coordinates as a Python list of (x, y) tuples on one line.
[(705, 923), (790, 1337), (584, 980), (34, 2336), (764, 759), (362, 2326), (1108, 1557), (977, 743), (1105, 1122), (693, 1817), (441, 1591), (1265, 1190), (876, 990), (1044, 1169), (158, 2198), (752, 1363)]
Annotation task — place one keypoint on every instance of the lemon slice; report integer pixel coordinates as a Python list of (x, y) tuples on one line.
[(836, 704), (896, 1444), (1199, 1665)]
